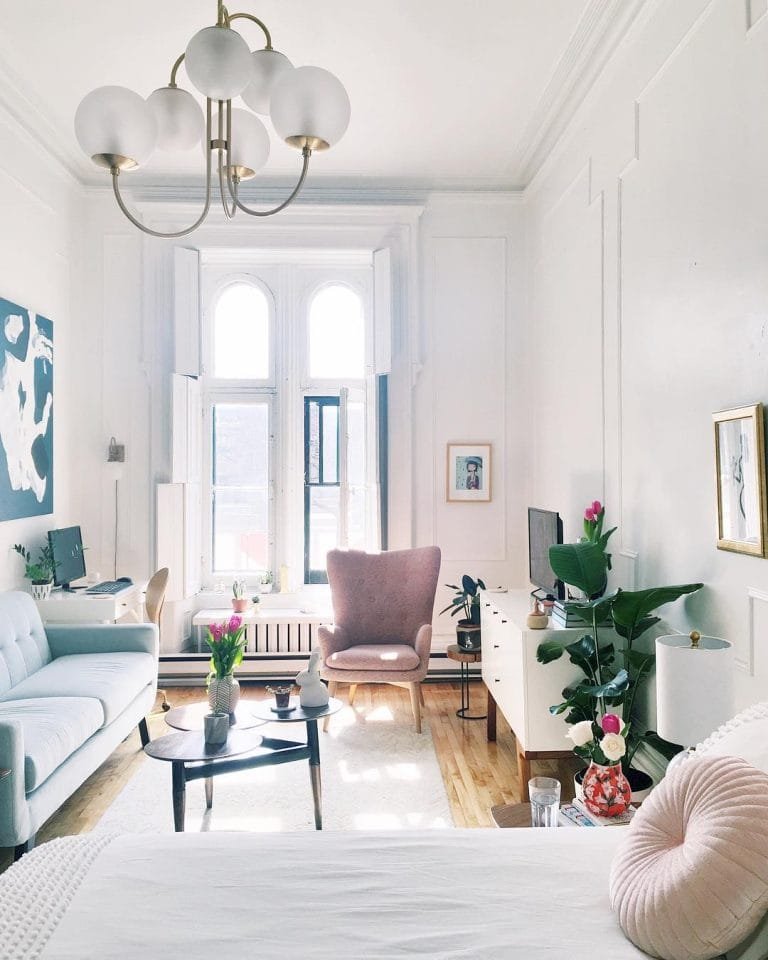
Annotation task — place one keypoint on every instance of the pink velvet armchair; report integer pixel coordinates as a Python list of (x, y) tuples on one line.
[(382, 609)]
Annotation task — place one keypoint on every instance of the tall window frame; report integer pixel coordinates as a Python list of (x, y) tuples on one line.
[(290, 280)]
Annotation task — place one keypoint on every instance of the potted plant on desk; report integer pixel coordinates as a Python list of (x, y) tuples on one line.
[(39, 573), (466, 601), (609, 686), (226, 642)]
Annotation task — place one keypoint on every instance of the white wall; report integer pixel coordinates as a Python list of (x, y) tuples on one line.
[(39, 264), (458, 270), (647, 232)]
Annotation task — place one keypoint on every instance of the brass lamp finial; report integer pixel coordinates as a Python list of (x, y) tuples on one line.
[(695, 637)]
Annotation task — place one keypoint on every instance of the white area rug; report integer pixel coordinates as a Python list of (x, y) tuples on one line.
[(377, 774)]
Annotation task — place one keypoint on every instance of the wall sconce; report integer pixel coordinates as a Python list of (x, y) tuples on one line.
[(116, 451)]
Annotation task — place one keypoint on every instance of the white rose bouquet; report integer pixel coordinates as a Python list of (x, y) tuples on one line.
[(604, 743)]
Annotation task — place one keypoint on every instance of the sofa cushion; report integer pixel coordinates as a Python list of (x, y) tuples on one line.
[(52, 729), (113, 679), (23, 644), (375, 656)]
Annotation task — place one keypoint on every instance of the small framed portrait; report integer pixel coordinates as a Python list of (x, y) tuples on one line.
[(740, 478), (468, 473)]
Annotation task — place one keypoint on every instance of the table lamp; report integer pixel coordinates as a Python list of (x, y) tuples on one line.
[(694, 686)]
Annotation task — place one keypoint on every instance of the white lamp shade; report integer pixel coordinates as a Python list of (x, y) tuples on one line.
[(310, 102), (179, 118), (267, 66), (250, 141), (117, 121), (694, 687), (218, 63)]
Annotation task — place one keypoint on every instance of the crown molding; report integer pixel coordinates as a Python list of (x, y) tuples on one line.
[(357, 191), (31, 117), (600, 30)]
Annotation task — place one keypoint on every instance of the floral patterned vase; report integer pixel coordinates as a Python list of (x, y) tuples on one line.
[(606, 790), (223, 694)]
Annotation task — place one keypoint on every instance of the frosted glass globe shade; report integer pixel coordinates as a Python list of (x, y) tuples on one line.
[(250, 141), (116, 121), (267, 66), (218, 63), (179, 118), (310, 102)]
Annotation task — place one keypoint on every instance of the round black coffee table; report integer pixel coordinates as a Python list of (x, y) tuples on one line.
[(190, 717), (192, 759)]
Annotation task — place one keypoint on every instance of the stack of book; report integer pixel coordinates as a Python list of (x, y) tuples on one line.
[(576, 815), (564, 614)]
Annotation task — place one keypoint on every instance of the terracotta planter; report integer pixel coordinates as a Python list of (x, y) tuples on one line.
[(606, 791), (240, 604)]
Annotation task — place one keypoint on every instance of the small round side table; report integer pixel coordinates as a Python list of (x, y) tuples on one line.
[(464, 658)]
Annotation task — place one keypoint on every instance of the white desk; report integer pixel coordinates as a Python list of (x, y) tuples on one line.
[(77, 606)]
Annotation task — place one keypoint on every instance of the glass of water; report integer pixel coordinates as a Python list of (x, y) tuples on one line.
[(545, 801)]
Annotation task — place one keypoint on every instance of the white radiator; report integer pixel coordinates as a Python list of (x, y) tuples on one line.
[(268, 631)]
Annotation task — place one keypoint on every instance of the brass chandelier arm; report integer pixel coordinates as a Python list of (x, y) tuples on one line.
[(306, 153), (175, 69), (259, 23), (206, 208)]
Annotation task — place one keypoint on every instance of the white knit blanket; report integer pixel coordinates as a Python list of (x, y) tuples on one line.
[(35, 892)]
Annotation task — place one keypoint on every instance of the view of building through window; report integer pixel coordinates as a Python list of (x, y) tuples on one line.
[(316, 415)]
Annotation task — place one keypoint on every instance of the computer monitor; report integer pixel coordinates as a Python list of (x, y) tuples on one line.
[(68, 558), (545, 528)]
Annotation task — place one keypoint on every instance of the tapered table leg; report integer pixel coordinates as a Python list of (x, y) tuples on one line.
[(208, 792), (314, 772), (179, 795)]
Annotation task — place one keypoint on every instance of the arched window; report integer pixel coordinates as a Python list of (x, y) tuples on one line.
[(241, 333), (336, 335)]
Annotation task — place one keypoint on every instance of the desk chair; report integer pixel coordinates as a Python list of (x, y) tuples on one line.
[(154, 599)]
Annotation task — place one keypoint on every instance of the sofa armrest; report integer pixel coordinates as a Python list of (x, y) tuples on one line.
[(331, 639), (65, 639), (14, 812)]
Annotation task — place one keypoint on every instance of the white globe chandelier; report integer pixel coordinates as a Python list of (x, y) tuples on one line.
[(308, 106)]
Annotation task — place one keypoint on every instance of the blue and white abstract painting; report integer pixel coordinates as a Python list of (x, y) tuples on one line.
[(26, 413)]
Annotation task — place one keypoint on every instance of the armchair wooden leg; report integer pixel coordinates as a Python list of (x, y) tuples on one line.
[(352, 692), (421, 695), (333, 686), (416, 705)]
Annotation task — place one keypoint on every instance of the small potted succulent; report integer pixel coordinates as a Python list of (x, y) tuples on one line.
[(239, 596), (266, 582), (226, 642), (466, 601), (40, 573)]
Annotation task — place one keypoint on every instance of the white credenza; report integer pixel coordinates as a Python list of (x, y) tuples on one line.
[(521, 687)]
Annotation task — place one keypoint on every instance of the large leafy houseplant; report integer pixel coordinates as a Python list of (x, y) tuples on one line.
[(612, 678), (466, 600)]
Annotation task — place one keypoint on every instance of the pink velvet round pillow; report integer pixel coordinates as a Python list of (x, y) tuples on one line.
[(690, 880)]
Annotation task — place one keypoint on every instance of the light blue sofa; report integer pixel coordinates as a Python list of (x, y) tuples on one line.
[(69, 694)]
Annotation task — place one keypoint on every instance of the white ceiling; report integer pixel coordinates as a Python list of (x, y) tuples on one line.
[(444, 93)]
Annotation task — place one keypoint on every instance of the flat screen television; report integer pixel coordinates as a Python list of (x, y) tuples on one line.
[(68, 558), (545, 528)]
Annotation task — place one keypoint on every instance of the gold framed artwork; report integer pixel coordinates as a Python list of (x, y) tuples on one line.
[(740, 479), (468, 472)]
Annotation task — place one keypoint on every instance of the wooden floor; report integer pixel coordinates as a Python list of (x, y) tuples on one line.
[(477, 774)]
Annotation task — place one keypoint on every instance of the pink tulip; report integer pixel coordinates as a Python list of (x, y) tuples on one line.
[(611, 723), (597, 509), (234, 624), (217, 631), (589, 515)]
